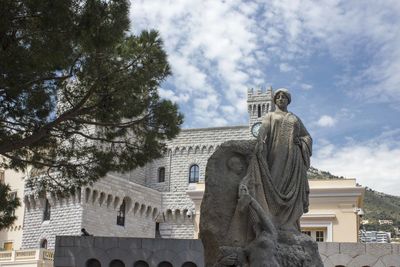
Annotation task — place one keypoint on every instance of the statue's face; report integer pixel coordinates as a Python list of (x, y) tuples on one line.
[(281, 100), (236, 165)]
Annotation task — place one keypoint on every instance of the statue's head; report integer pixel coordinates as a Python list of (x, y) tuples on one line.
[(282, 91)]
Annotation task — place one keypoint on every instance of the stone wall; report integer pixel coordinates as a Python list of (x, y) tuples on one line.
[(359, 254), (192, 146), (102, 201), (178, 216), (76, 251), (65, 219)]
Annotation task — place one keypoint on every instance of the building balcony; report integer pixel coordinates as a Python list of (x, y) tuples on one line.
[(29, 257)]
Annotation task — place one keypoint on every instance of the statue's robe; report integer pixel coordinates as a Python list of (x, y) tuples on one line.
[(283, 163)]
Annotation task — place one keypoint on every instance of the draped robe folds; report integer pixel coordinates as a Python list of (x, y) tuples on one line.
[(276, 176), (283, 163)]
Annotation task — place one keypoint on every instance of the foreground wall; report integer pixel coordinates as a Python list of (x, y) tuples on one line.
[(359, 254), (76, 251)]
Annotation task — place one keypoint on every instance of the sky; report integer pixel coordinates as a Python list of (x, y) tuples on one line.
[(339, 59)]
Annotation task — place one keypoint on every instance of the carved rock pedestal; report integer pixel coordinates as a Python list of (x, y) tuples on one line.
[(234, 238)]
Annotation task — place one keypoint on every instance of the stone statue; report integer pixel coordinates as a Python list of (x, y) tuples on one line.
[(285, 147), (256, 192)]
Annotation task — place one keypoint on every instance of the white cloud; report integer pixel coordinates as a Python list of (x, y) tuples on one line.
[(212, 45), (171, 95), (285, 67), (375, 163), (344, 29), (306, 86), (326, 121), (223, 47)]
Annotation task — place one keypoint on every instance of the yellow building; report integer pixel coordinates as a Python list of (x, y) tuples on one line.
[(335, 209), (11, 237)]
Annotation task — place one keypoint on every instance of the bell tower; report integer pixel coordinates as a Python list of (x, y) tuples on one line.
[(259, 103)]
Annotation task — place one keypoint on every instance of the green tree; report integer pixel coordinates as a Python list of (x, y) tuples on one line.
[(8, 204), (78, 92)]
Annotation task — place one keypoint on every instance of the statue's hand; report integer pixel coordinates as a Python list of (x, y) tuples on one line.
[(243, 190), (244, 197), (229, 260)]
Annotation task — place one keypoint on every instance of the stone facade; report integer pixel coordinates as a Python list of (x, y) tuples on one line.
[(65, 219), (94, 208)]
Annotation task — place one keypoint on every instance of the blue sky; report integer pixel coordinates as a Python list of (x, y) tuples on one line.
[(340, 60)]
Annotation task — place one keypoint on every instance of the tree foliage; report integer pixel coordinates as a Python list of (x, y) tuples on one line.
[(8, 204), (78, 92)]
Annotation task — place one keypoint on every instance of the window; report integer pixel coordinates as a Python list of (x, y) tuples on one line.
[(165, 264), (158, 233), (117, 263), (46, 212), (43, 243), (93, 263), (306, 233), (161, 175), (194, 174), (13, 195), (141, 264), (259, 111), (1, 177), (319, 236), (189, 264), (8, 245), (121, 214)]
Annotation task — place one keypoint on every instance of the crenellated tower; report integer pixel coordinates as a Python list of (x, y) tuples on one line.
[(259, 103)]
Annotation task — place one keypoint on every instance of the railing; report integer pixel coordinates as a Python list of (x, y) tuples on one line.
[(48, 255), (5, 255), (27, 255)]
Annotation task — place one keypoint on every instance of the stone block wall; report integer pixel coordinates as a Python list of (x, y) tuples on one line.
[(65, 219), (74, 251), (192, 146), (179, 216), (152, 173), (102, 201), (195, 146), (359, 254)]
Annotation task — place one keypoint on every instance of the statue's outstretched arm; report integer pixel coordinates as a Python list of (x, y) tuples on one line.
[(256, 209)]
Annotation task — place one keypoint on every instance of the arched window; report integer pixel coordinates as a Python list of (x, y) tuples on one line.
[(121, 214), (161, 175), (46, 212), (194, 174), (189, 264), (141, 264), (43, 243), (117, 263), (165, 264), (93, 263)]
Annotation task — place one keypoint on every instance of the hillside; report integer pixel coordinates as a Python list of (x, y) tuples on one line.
[(377, 205)]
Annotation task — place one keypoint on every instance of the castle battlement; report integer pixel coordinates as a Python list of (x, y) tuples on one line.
[(259, 103)]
